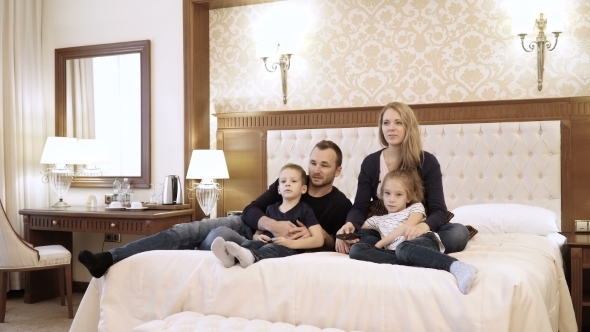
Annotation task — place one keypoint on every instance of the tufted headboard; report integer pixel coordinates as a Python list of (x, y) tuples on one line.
[(246, 137), (510, 162)]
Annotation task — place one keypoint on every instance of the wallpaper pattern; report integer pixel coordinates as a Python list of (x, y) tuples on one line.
[(370, 52)]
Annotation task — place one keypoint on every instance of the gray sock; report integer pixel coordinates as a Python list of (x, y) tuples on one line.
[(218, 249), (465, 273), (243, 255)]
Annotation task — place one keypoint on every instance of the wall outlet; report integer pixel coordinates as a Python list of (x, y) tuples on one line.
[(582, 226), (112, 237)]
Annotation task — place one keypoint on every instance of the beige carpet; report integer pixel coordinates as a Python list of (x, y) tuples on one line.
[(45, 316)]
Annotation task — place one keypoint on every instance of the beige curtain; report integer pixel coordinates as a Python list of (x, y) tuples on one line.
[(23, 123), (80, 98)]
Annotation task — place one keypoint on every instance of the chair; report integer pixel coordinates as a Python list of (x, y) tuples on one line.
[(17, 255)]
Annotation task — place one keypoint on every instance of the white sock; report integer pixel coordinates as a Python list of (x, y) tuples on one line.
[(243, 255), (465, 273), (218, 249)]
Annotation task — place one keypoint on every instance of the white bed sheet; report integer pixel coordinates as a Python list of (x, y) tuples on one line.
[(520, 286)]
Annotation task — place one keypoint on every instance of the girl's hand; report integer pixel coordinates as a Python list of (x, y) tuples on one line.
[(262, 238), (413, 232), (380, 244)]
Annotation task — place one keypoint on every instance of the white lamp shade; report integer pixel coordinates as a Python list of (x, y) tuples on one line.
[(93, 152), (207, 164), (59, 150)]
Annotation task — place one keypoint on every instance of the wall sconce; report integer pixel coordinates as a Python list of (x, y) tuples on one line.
[(540, 44), (206, 165), (284, 63)]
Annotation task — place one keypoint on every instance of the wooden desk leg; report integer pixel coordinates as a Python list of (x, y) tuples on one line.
[(44, 284), (577, 275)]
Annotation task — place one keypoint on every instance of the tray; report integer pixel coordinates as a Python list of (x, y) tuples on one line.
[(168, 207)]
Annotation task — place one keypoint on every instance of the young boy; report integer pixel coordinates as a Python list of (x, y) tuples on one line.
[(264, 244)]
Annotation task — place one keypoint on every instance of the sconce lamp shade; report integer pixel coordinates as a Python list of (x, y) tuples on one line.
[(207, 164), (60, 150)]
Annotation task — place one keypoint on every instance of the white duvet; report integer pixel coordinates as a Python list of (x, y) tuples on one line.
[(519, 286)]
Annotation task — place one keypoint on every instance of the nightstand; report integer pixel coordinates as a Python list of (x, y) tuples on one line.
[(580, 277)]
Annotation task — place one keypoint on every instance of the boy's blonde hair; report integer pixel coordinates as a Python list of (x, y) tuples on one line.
[(412, 143), (411, 181), (298, 168)]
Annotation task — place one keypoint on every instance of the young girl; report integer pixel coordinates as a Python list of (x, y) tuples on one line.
[(265, 245), (402, 192)]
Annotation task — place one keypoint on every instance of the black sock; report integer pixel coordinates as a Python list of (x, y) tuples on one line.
[(97, 264)]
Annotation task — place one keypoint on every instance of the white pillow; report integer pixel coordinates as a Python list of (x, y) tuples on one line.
[(507, 218)]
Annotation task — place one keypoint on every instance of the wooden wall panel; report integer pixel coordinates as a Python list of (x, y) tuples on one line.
[(245, 153)]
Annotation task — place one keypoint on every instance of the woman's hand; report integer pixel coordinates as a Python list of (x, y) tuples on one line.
[(413, 232), (342, 246), (261, 237)]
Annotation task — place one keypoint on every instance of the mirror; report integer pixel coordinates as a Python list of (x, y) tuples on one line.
[(103, 92)]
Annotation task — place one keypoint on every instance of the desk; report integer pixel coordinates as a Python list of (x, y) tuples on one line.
[(55, 226)]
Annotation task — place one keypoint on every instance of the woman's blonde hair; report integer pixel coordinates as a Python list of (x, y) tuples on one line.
[(412, 143), (411, 181)]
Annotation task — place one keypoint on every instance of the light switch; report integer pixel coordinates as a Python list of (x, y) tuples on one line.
[(581, 225)]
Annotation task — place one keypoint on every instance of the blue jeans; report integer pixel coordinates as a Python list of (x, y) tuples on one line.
[(183, 236), (262, 250), (422, 251), (453, 236)]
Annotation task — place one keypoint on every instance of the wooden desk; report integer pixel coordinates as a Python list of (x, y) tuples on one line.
[(55, 226)]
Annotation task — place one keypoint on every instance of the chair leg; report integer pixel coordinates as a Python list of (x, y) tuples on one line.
[(3, 290), (68, 273), (60, 278)]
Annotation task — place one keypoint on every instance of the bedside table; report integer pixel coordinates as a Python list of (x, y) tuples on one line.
[(580, 265)]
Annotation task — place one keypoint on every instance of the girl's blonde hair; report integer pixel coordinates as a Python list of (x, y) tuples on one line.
[(412, 144), (411, 181)]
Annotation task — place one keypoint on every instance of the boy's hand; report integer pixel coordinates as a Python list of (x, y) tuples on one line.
[(262, 237), (282, 241), (300, 232)]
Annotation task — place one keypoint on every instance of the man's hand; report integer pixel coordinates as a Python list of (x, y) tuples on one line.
[(413, 232), (300, 232), (342, 246), (278, 228)]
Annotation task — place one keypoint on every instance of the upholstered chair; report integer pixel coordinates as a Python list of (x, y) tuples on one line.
[(16, 255)]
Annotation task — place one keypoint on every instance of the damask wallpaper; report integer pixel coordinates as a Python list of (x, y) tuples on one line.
[(371, 52)]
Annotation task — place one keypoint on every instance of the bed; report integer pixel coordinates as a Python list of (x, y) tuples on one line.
[(520, 284)]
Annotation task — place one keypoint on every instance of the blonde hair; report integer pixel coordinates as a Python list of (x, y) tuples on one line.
[(295, 167), (412, 143), (411, 181)]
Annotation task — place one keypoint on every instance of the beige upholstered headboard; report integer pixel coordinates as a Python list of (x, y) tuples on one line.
[(244, 138), (510, 162)]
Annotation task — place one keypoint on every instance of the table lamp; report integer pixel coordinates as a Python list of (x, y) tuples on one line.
[(207, 165), (59, 151)]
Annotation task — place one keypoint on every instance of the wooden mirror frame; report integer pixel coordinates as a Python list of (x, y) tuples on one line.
[(143, 48)]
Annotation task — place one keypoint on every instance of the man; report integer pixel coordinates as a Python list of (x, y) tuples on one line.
[(328, 203)]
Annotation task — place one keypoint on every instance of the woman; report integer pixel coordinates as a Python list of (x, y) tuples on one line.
[(400, 135)]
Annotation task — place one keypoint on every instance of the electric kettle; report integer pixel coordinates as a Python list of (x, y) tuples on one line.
[(172, 190)]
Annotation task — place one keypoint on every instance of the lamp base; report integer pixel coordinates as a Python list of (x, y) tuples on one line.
[(60, 204), (207, 195)]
